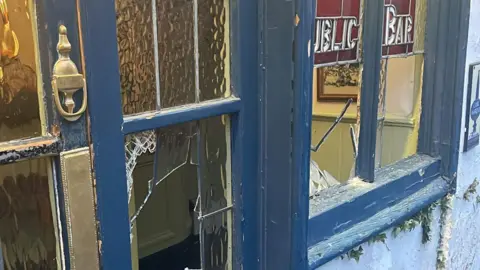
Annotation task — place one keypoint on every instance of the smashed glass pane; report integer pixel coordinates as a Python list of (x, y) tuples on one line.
[(399, 113), (214, 160), (136, 145), (167, 210)]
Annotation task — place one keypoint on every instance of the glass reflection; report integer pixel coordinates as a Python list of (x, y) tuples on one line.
[(19, 107)]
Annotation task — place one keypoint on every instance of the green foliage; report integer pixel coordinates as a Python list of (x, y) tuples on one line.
[(441, 260), (379, 238), (354, 254), (422, 218), (472, 189)]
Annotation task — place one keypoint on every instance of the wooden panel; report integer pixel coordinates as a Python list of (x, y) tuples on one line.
[(80, 209)]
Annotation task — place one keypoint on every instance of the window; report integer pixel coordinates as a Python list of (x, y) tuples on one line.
[(179, 176), (173, 152), (337, 84), (385, 94), (267, 118)]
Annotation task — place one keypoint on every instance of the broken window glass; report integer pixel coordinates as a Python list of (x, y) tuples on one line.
[(181, 195)]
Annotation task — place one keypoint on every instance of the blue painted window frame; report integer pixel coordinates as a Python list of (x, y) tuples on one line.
[(341, 218), (272, 75), (108, 127)]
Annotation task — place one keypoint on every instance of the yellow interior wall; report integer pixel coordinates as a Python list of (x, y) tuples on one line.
[(401, 126)]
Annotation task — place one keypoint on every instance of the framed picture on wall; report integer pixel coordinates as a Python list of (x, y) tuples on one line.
[(471, 137), (338, 83)]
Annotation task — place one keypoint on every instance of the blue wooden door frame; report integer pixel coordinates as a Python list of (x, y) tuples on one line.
[(286, 61), (270, 73), (108, 127)]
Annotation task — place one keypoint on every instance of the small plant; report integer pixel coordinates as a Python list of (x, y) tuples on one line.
[(472, 189), (422, 218), (379, 238), (353, 254), (441, 260)]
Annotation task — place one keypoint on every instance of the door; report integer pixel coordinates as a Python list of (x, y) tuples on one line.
[(146, 168), (171, 146), (46, 194)]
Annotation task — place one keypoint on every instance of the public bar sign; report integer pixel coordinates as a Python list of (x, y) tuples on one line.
[(337, 29), (398, 27)]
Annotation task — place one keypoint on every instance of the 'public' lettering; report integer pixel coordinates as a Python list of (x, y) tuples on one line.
[(326, 34)]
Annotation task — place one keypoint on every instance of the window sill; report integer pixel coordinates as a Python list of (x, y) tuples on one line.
[(345, 216), (338, 244)]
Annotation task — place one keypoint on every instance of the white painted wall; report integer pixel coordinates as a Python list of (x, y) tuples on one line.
[(406, 251)]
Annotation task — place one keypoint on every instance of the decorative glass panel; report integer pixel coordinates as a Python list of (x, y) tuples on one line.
[(398, 36), (168, 213), (27, 230), (157, 46), (337, 31), (136, 55), (214, 62), (176, 52), (404, 27), (19, 106)]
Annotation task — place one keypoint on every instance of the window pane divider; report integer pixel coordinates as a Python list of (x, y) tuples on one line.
[(372, 54), (181, 114), (17, 150)]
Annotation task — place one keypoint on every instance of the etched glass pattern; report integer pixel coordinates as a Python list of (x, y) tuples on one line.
[(27, 231), (157, 45)]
